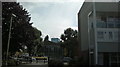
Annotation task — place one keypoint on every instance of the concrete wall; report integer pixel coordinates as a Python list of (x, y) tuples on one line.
[(108, 47), (102, 0), (83, 25), (83, 18), (106, 6), (108, 9)]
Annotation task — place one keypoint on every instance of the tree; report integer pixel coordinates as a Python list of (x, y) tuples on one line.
[(46, 38), (22, 32), (63, 37), (37, 41), (69, 39)]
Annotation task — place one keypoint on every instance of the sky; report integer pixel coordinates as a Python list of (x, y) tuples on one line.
[(52, 18)]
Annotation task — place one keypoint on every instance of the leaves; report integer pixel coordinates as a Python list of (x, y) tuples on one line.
[(22, 32), (69, 41), (46, 38), (69, 33)]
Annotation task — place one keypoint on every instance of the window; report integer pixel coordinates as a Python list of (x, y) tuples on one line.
[(100, 35), (113, 22), (101, 24), (110, 24), (110, 35), (116, 35), (117, 25), (103, 19), (110, 18)]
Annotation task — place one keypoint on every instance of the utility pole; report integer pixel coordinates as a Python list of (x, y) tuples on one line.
[(9, 38)]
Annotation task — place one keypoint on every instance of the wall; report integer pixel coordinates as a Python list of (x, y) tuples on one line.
[(83, 25)]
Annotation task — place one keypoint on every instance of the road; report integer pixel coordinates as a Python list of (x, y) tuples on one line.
[(31, 65)]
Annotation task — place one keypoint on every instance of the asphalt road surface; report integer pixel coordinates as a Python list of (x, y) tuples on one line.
[(31, 65)]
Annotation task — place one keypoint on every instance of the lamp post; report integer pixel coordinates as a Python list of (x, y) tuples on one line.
[(13, 15)]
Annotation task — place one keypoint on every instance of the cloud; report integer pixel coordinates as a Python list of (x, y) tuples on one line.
[(50, 0), (64, 0), (52, 18)]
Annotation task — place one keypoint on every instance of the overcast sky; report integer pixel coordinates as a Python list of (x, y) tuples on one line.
[(52, 18)]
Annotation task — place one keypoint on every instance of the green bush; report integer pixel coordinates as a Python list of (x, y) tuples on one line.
[(55, 63), (10, 62)]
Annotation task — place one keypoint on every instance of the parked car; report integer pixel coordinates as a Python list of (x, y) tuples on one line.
[(67, 60)]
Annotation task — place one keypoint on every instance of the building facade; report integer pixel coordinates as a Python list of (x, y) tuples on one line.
[(99, 34), (52, 50), (55, 40)]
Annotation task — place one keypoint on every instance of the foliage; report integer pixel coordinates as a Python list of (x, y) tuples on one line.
[(22, 32), (37, 41), (46, 38), (68, 34), (69, 41)]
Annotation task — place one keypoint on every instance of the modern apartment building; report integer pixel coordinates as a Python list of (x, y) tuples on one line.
[(55, 40), (51, 49), (99, 32)]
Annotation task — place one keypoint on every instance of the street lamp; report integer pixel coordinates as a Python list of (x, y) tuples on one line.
[(13, 15)]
